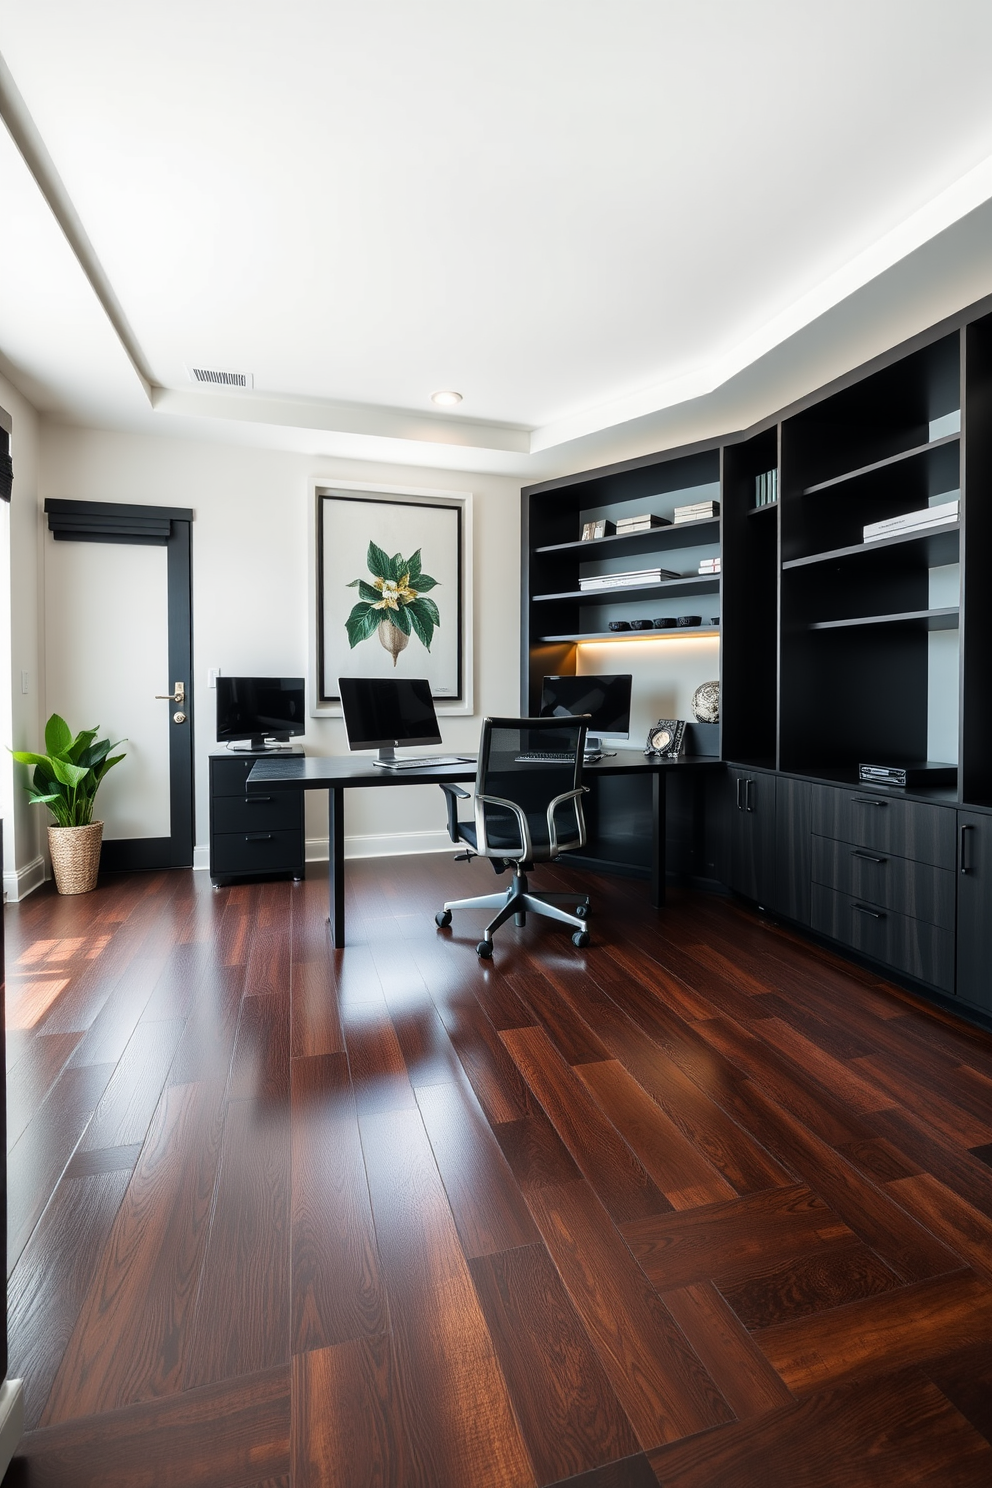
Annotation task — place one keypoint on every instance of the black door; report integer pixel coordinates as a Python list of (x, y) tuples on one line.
[(168, 527)]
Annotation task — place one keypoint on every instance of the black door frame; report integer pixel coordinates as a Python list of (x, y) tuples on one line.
[(168, 527)]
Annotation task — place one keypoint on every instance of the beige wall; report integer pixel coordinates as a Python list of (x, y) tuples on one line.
[(250, 585)]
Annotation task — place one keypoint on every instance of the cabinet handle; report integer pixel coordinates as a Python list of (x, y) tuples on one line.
[(965, 856), (747, 795), (868, 857), (258, 836), (863, 909), (740, 803), (868, 801), (256, 800)]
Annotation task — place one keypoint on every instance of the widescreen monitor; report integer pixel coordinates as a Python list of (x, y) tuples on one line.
[(260, 708), (381, 712), (605, 699)]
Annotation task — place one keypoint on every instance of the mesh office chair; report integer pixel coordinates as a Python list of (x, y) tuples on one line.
[(526, 812)]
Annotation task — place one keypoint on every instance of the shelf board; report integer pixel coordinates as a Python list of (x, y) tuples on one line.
[(684, 535), (635, 635), (938, 546), (911, 454), (753, 511), (944, 619), (688, 585)]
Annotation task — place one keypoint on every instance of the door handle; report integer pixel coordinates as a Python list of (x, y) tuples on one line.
[(740, 801), (747, 795), (868, 857), (966, 865), (863, 909), (869, 801), (177, 696)]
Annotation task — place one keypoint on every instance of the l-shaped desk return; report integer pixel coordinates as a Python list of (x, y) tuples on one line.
[(347, 772)]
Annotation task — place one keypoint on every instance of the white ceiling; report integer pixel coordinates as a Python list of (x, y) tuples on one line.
[(578, 214)]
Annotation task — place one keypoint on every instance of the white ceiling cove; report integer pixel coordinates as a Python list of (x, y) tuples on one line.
[(582, 216)]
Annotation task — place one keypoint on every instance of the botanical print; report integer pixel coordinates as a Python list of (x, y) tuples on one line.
[(393, 605)]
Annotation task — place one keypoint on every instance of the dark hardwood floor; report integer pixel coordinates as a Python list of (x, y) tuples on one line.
[(701, 1205)]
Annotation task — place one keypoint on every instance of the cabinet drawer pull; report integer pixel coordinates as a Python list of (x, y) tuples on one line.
[(868, 857), (863, 909), (740, 784), (868, 801), (258, 836), (256, 800), (747, 795), (965, 855)]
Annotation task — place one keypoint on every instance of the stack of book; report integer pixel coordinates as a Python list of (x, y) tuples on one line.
[(709, 565), (916, 521), (766, 488), (642, 523), (634, 578), (697, 512)]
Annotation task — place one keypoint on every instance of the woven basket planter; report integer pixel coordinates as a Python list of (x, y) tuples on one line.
[(75, 857)]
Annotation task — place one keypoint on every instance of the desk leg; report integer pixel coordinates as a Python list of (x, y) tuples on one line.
[(335, 862), (658, 804)]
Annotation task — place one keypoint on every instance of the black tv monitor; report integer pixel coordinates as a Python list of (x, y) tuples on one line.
[(259, 709), (381, 712), (605, 699)]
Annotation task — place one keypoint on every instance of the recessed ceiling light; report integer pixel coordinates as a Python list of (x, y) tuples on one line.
[(447, 398)]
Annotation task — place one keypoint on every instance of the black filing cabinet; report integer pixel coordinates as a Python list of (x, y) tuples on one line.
[(252, 836)]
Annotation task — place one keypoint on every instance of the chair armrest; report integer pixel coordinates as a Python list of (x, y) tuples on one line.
[(453, 793), (572, 795), (526, 846)]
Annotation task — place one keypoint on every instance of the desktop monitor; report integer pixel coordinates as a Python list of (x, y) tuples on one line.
[(257, 708), (605, 699), (381, 712)]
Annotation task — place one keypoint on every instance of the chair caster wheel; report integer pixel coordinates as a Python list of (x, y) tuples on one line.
[(485, 949), (580, 938), (582, 911), (442, 919)]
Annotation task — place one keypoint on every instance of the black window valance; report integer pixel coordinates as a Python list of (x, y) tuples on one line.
[(6, 467)]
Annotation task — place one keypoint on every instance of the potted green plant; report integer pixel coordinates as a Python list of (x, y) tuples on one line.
[(66, 780)]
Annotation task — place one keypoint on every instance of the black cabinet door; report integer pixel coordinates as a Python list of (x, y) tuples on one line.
[(752, 835), (793, 824), (975, 909)]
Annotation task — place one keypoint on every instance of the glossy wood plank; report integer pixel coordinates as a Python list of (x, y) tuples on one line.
[(908, 1326), (488, 1208), (829, 1276), (464, 1430), (677, 1166), (31, 1078), (833, 1074), (618, 1179), (241, 1324), (207, 1046), (222, 1436), (316, 1020), (260, 1064), (568, 1413), (571, 1035), (352, 1420), (378, 1069), (536, 1154), (965, 1377), (878, 1159), (958, 1106), (963, 1228), (627, 1472), (501, 1090), (737, 1366), (922, 1148), (337, 1288), (126, 1106), (883, 1433), (129, 1343), (726, 1242), (658, 1379)]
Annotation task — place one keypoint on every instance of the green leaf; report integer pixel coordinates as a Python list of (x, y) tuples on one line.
[(397, 567), (361, 623), (108, 764), (25, 757), (378, 564), (368, 592), (400, 618), (39, 800), (71, 775), (93, 756), (423, 626), (424, 582), (80, 744), (58, 735), (353, 583), (430, 609), (414, 567)]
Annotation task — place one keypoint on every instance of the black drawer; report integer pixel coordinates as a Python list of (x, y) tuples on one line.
[(910, 829), (915, 889), (911, 946), (256, 852), (228, 776), (282, 811)]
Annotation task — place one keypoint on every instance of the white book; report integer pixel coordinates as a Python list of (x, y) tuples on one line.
[(928, 516)]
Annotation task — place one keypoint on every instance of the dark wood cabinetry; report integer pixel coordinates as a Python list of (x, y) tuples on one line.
[(753, 840), (252, 836), (974, 925)]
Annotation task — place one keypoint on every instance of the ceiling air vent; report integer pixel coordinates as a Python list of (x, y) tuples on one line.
[(211, 377)]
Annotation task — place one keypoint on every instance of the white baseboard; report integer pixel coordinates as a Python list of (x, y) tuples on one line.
[(23, 881), (381, 845), (201, 857), (11, 1420)]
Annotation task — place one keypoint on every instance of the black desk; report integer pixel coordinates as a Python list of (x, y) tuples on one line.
[(336, 775)]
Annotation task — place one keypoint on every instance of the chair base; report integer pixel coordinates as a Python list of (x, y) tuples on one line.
[(518, 901)]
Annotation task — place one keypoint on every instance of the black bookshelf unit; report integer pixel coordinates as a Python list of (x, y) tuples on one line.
[(835, 649)]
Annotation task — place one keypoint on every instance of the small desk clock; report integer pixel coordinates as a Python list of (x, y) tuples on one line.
[(665, 738)]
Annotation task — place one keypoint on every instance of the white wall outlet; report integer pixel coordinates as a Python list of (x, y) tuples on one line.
[(212, 676)]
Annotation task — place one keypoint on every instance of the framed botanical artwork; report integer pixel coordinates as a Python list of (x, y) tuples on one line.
[(392, 591)]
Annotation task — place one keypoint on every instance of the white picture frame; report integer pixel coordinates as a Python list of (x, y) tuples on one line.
[(345, 518)]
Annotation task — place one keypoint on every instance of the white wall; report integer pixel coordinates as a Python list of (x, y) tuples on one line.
[(250, 591), (21, 720)]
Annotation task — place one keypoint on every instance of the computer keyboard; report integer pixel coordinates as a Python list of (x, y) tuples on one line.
[(426, 762), (548, 758)]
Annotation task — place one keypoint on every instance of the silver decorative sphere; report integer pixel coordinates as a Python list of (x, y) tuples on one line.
[(706, 702)]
